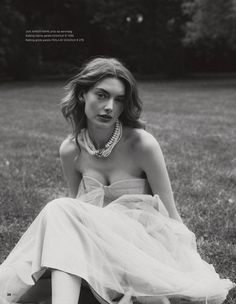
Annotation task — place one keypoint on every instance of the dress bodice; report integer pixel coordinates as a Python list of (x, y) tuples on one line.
[(106, 194)]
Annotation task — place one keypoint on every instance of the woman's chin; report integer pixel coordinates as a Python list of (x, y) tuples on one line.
[(104, 123)]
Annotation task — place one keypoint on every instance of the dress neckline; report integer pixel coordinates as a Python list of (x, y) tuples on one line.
[(116, 182)]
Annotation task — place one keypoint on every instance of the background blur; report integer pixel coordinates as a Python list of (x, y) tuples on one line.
[(164, 37)]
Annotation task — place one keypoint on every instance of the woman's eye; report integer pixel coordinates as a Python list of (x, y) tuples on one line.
[(101, 95)]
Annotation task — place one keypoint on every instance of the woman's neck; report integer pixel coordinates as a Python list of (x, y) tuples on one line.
[(99, 136)]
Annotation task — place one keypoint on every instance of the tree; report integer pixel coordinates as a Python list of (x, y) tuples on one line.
[(11, 39), (210, 32), (56, 15), (211, 19), (147, 34)]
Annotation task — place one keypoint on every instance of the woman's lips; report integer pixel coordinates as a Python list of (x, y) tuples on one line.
[(105, 117)]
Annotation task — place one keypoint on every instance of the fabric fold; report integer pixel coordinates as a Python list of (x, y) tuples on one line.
[(128, 250)]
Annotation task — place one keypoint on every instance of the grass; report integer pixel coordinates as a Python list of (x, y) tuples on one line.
[(194, 122)]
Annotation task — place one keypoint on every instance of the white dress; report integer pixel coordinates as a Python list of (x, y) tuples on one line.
[(120, 240)]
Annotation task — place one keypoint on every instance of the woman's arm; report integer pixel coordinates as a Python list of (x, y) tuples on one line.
[(68, 153), (153, 164)]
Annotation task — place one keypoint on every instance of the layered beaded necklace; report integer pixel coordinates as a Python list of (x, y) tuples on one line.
[(109, 146)]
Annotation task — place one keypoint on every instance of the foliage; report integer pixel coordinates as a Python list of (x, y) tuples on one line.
[(211, 19), (210, 34), (11, 37), (56, 15), (154, 36), (145, 33)]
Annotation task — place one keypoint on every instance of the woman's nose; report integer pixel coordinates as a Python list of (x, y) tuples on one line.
[(109, 105)]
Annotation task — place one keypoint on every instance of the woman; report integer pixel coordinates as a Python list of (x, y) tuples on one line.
[(119, 231)]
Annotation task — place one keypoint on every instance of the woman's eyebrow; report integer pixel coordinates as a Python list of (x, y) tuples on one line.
[(105, 91), (101, 89)]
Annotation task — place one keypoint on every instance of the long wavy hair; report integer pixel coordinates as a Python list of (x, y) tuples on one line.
[(93, 71)]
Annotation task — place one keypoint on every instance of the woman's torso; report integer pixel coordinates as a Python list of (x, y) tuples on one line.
[(104, 194), (122, 164)]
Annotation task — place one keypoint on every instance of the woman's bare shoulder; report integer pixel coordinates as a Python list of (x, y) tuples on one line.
[(68, 148), (141, 140), (144, 148)]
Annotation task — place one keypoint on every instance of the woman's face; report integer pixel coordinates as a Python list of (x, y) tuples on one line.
[(104, 102)]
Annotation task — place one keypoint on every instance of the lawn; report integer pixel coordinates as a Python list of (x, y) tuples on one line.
[(194, 122)]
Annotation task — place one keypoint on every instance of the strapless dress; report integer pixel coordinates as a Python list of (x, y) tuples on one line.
[(120, 240)]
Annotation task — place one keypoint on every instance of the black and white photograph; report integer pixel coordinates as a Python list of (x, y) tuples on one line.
[(117, 152)]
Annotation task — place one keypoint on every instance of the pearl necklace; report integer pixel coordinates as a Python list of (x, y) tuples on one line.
[(109, 146)]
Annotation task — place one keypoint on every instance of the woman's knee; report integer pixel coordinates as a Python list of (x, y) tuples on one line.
[(60, 207), (55, 205)]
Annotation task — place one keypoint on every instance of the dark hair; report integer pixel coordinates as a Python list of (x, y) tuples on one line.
[(72, 105)]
